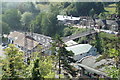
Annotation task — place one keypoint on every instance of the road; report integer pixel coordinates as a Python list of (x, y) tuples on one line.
[(75, 36)]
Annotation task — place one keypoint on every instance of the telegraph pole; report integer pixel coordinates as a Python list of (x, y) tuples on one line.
[(25, 43), (31, 34)]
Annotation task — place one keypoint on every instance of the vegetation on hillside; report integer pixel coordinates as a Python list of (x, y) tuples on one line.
[(14, 67), (42, 18)]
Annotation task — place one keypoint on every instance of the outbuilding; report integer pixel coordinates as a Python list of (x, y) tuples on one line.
[(82, 50)]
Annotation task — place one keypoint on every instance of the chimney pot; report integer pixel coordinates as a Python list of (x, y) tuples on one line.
[(71, 16)]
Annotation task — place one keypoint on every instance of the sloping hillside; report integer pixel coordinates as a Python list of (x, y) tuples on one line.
[(111, 8)]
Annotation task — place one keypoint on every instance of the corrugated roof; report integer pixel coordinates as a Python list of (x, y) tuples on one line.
[(79, 49)]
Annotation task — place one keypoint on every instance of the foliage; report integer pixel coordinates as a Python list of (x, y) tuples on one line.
[(13, 64), (46, 66), (42, 66), (118, 9), (113, 72), (72, 30), (111, 10), (115, 55), (26, 19), (83, 9), (63, 57), (109, 41), (12, 18), (92, 12), (5, 28), (98, 43), (27, 7), (35, 71), (47, 24), (103, 15)]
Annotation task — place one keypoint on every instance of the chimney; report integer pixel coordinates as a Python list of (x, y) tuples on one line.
[(71, 16)]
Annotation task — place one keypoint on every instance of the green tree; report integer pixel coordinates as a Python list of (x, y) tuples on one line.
[(36, 75), (98, 43), (12, 18), (92, 12), (5, 28), (27, 7), (46, 23), (102, 16), (83, 9), (115, 55), (63, 57), (13, 63), (118, 9), (26, 19), (37, 23), (114, 71), (42, 66)]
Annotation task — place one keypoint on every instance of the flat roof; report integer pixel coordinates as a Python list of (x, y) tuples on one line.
[(62, 17)]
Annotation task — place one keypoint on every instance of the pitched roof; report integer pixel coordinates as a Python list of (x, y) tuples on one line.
[(79, 49), (108, 22), (19, 39), (70, 43), (42, 39)]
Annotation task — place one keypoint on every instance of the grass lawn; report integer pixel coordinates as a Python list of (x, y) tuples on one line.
[(43, 7), (111, 8)]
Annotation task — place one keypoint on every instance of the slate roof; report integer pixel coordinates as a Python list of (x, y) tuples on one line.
[(42, 39), (102, 22), (19, 39), (79, 49)]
